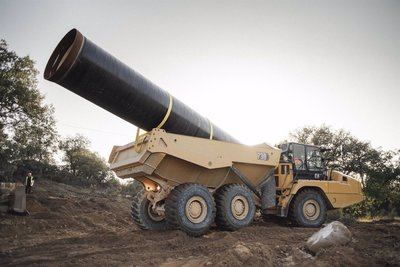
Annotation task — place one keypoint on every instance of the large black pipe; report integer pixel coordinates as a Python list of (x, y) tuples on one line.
[(87, 70)]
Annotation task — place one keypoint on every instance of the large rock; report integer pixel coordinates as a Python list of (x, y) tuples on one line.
[(242, 252), (335, 233)]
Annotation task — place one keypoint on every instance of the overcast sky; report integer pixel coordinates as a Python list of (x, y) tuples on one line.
[(257, 69)]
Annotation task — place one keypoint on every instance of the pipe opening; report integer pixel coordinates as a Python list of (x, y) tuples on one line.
[(64, 55)]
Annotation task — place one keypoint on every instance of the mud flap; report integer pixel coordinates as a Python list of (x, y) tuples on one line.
[(268, 193)]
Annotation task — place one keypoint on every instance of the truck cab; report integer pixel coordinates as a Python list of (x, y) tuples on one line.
[(306, 188), (307, 161)]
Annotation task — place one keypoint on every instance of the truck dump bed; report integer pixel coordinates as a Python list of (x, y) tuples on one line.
[(175, 159)]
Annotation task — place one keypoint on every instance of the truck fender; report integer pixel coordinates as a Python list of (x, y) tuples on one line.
[(297, 189)]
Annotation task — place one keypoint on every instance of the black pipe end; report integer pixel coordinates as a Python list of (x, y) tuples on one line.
[(64, 55)]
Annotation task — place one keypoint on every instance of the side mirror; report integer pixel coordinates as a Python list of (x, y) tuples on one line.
[(283, 147)]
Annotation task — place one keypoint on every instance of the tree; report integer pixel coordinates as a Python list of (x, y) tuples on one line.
[(27, 126), (28, 137), (7, 156), (383, 184), (87, 167), (378, 170)]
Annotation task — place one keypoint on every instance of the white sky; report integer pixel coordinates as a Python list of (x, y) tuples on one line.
[(257, 69)]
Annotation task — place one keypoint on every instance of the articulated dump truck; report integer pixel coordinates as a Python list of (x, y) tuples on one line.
[(193, 173)]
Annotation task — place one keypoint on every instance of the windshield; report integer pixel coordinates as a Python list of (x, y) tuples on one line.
[(314, 159), (299, 156)]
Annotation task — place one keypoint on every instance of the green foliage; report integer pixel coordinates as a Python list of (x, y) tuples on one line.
[(20, 100), (113, 182), (28, 138), (131, 188), (87, 167), (27, 126), (379, 171)]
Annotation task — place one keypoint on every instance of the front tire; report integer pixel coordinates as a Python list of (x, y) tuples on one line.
[(235, 207), (190, 207), (308, 209), (143, 215)]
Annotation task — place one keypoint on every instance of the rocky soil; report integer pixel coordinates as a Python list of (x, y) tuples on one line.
[(74, 226)]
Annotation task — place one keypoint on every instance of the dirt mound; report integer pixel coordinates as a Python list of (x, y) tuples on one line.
[(75, 226)]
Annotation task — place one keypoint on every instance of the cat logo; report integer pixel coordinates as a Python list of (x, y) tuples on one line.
[(262, 156)]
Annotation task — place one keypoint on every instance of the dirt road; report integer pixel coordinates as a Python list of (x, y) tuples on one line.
[(74, 226)]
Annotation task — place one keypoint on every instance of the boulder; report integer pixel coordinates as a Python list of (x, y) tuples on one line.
[(242, 252), (335, 233)]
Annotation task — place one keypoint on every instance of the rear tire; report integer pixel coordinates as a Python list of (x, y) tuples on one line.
[(235, 207), (308, 209), (190, 207), (143, 216)]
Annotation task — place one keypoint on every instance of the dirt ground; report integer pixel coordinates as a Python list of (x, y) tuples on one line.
[(73, 226)]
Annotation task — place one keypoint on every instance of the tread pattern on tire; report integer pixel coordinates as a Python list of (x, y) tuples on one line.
[(172, 203), (135, 210), (293, 216), (171, 209), (220, 200)]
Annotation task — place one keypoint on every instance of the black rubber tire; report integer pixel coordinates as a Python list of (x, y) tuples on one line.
[(296, 208), (223, 199), (140, 215), (175, 206)]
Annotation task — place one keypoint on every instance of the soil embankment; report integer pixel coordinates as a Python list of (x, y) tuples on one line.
[(75, 226)]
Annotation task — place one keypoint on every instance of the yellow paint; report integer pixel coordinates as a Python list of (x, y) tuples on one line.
[(164, 120), (174, 159)]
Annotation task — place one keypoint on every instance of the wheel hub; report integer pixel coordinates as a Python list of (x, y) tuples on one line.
[(311, 209), (196, 209), (153, 215), (239, 207)]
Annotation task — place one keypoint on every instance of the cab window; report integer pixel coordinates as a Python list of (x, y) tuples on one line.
[(299, 157), (314, 160)]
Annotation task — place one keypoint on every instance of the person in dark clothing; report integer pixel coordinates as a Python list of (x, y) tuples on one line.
[(29, 181)]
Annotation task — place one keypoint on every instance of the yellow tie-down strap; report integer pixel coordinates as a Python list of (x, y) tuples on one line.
[(164, 120), (211, 130), (171, 102), (138, 135)]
